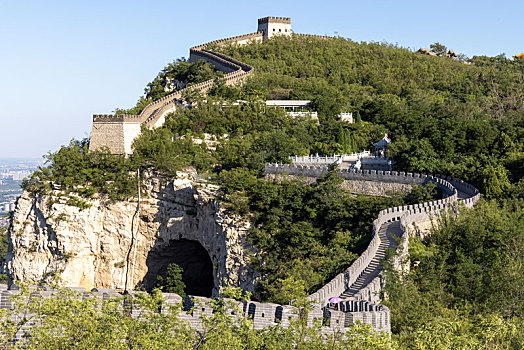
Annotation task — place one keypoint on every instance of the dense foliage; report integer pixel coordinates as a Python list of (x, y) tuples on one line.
[(466, 285), (444, 116), (73, 168), (306, 233)]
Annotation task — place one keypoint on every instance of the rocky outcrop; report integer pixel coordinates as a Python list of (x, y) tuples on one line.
[(92, 247), (421, 229)]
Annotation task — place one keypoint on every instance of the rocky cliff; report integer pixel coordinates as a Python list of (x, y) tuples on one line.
[(177, 221)]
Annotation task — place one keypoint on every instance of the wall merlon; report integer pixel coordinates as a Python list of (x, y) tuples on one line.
[(269, 19)]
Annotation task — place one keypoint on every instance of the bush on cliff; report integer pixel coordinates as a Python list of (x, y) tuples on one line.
[(73, 169)]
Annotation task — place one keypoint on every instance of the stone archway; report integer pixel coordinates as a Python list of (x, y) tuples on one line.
[(191, 256)]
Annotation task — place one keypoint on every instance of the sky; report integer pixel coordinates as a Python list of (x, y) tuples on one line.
[(63, 61)]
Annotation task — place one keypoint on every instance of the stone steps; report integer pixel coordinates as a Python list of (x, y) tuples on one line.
[(386, 234)]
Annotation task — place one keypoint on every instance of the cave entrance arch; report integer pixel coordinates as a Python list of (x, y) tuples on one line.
[(188, 254)]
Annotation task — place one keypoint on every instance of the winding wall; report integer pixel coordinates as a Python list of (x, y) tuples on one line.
[(362, 281), (117, 132), (359, 303)]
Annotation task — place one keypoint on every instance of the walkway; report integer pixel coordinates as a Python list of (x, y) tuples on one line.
[(387, 233), (386, 241)]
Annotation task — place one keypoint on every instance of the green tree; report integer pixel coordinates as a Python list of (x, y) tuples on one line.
[(495, 181), (172, 281), (438, 48), (422, 193)]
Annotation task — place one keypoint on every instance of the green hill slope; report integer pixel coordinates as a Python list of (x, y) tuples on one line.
[(444, 116)]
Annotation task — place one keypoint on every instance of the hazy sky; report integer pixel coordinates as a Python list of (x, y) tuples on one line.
[(62, 61)]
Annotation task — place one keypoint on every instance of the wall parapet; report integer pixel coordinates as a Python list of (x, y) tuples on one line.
[(314, 36), (114, 118), (232, 39), (153, 115), (192, 309), (404, 214), (270, 19)]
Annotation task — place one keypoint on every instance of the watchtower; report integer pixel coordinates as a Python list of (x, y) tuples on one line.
[(271, 26)]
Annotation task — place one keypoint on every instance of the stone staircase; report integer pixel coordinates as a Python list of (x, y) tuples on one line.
[(388, 234)]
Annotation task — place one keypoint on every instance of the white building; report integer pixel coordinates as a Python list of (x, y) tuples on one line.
[(271, 26)]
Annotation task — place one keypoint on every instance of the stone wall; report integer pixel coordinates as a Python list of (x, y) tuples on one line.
[(417, 221), (406, 215), (239, 39), (372, 188), (262, 314), (118, 136), (220, 64), (154, 114), (107, 134)]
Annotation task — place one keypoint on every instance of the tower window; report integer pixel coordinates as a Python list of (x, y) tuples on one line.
[(280, 30), (273, 29)]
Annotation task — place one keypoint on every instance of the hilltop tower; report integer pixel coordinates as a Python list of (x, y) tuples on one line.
[(271, 26)]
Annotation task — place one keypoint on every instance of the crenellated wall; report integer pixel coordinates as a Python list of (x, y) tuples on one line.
[(113, 131), (193, 308), (117, 132), (220, 63), (453, 191), (364, 304)]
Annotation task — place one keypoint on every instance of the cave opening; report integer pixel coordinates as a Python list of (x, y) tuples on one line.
[(188, 254)]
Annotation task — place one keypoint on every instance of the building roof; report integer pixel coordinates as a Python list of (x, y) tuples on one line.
[(384, 142), (426, 51), (288, 103)]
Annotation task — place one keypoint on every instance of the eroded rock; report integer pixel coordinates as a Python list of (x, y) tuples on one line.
[(91, 248)]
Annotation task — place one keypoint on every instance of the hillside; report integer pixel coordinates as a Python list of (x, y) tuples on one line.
[(447, 117), (444, 116)]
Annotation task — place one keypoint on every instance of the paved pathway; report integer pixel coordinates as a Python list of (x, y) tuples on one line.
[(386, 233)]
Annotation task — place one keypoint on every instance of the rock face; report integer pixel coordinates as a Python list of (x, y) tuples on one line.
[(178, 221), (422, 229)]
